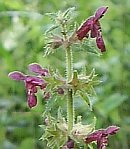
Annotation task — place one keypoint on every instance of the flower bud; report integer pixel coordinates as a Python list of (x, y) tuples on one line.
[(47, 95), (60, 91)]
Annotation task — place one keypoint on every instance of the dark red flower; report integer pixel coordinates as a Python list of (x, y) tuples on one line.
[(101, 136), (32, 100), (100, 12), (100, 42), (31, 84), (85, 28), (92, 24)]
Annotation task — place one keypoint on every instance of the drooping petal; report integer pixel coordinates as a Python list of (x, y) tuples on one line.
[(94, 136), (85, 28), (34, 67), (93, 32), (100, 12), (32, 100), (95, 28), (16, 75), (100, 42), (112, 130)]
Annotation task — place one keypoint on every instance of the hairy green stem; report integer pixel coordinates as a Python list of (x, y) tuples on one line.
[(70, 106), (70, 111), (69, 73), (69, 64)]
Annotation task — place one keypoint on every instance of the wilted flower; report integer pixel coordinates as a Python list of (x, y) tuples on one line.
[(31, 84), (101, 136), (55, 42), (69, 144), (92, 24)]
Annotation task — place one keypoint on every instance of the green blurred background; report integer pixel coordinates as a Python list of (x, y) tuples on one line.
[(22, 28)]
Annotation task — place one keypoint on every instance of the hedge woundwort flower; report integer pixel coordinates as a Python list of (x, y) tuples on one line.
[(101, 136), (92, 24), (31, 84)]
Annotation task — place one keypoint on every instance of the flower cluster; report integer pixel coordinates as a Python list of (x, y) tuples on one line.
[(92, 24), (101, 136), (41, 80), (32, 82)]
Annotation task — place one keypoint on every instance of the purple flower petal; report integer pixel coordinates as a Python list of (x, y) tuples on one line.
[(95, 27), (112, 130), (85, 28), (102, 143), (34, 67), (94, 136), (100, 12), (16, 75), (100, 42), (34, 80), (30, 88), (32, 100)]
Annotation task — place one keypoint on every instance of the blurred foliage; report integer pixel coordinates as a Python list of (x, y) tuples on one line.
[(22, 28)]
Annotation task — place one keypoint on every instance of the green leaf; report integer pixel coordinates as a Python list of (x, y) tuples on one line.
[(54, 135), (110, 103), (86, 98), (28, 143), (52, 28), (68, 11), (49, 105)]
